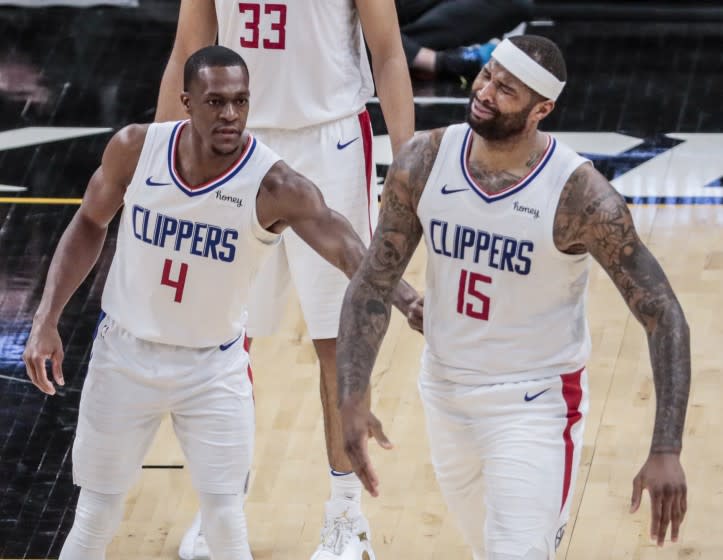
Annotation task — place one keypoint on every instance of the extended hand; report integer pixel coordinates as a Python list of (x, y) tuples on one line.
[(415, 314), (662, 475), (358, 425), (44, 344)]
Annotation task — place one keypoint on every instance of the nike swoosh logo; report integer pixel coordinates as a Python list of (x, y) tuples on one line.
[(340, 146), (529, 398), (228, 345), (151, 183), (445, 190)]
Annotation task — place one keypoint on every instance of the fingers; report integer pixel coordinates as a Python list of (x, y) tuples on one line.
[(637, 494), (676, 517), (35, 366), (376, 431), (357, 452), (57, 368), (666, 499), (656, 507)]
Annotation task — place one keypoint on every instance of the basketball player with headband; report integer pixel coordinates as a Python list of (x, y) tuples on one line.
[(511, 219)]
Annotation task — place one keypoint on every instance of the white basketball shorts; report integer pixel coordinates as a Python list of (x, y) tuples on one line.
[(132, 383), (512, 449), (337, 158)]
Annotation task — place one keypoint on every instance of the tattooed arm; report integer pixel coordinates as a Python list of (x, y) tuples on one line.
[(365, 312), (593, 217)]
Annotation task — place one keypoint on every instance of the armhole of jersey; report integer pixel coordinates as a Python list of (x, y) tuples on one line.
[(439, 160), (257, 230), (142, 165), (568, 170)]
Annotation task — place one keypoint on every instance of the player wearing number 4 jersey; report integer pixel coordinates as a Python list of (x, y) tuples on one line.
[(204, 201), (311, 82), (511, 218)]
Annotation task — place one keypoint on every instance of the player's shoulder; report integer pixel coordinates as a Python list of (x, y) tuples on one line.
[(124, 149), (421, 149), (282, 183), (129, 140), (427, 138)]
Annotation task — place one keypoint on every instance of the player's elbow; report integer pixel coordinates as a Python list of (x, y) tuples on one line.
[(350, 257)]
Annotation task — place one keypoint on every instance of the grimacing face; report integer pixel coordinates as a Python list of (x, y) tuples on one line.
[(218, 103), (500, 104)]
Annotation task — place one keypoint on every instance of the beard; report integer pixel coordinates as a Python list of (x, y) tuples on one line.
[(500, 127), (223, 152)]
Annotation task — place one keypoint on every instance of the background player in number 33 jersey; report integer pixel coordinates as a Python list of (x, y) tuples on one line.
[(511, 218)]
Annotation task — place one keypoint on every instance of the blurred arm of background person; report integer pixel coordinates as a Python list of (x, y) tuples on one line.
[(455, 38), (196, 29), (389, 67)]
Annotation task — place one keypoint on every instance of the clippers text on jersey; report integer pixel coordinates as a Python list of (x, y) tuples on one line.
[(195, 238), (475, 245)]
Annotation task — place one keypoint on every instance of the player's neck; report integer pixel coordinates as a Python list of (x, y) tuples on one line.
[(515, 153), (198, 163)]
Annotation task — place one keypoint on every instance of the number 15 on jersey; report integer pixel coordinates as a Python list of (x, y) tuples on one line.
[(470, 300)]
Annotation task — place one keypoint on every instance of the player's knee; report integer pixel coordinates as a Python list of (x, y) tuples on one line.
[(224, 525), (97, 518), (100, 513)]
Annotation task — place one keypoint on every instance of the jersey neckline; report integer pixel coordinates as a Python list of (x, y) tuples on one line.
[(515, 187), (213, 184)]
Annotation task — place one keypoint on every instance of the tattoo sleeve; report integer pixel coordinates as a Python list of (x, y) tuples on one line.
[(592, 216), (367, 303)]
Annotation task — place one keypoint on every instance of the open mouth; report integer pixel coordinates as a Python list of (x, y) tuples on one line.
[(480, 111)]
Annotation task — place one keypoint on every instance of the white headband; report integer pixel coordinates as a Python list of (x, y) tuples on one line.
[(529, 72)]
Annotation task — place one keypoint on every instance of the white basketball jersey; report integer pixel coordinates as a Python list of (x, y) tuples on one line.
[(502, 303), (185, 258), (307, 61)]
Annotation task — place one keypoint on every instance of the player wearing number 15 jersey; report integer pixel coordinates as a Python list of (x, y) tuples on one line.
[(202, 200), (311, 82), (511, 219)]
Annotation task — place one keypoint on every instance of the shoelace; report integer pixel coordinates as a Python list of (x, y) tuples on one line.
[(336, 534)]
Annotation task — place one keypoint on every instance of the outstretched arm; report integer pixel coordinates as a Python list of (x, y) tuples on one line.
[(196, 28), (593, 216), (391, 75), (288, 199), (366, 310), (77, 252)]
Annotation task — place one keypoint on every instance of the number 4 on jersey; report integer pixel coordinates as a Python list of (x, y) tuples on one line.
[(179, 283), (468, 282)]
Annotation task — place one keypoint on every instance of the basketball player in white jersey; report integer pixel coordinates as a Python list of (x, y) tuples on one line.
[(511, 218), (311, 82), (203, 201)]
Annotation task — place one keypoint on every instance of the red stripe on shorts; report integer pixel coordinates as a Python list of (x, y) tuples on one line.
[(365, 124), (247, 347), (572, 393)]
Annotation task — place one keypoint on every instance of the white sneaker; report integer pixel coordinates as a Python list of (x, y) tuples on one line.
[(193, 545), (345, 536)]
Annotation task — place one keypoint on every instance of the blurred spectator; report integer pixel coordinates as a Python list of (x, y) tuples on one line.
[(454, 38)]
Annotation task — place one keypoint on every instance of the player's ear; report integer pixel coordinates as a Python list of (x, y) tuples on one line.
[(543, 109), (186, 101)]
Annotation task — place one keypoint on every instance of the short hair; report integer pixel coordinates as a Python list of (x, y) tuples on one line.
[(206, 57), (543, 51)]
